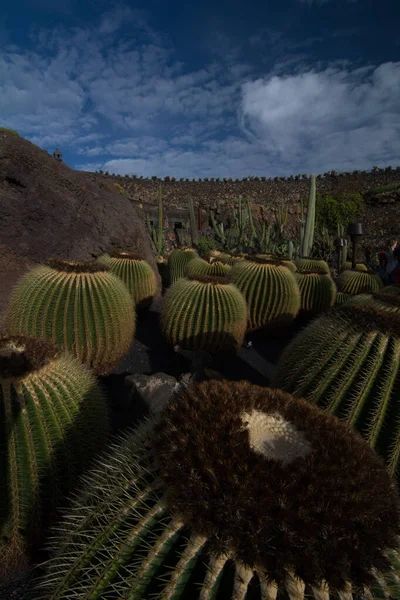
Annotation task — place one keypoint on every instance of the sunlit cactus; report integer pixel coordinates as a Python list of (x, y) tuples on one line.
[(136, 273), (270, 290), (204, 312), (355, 282), (312, 264), (342, 298), (348, 265), (53, 421), (200, 266), (347, 362), (234, 491), (317, 291), (81, 306), (177, 261)]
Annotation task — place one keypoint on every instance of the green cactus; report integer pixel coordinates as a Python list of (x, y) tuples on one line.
[(270, 290), (308, 237), (287, 262), (312, 264), (229, 258), (234, 491), (342, 298), (157, 233), (359, 266), (81, 306), (290, 249), (53, 421), (354, 281), (381, 300), (394, 288), (218, 229), (347, 362), (204, 312), (200, 266), (135, 272), (317, 291), (177, 261), (162, 266)]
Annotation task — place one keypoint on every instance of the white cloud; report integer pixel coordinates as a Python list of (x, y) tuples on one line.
[(342, 117)]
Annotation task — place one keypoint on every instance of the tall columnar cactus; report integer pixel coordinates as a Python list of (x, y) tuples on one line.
[(81, 306), (204, 312), (317, 291), (156, 233), (135, 272), (177, 261), (53, 420), (194, 228), (200, 266), (290, 249), (270, 290), (234, 491), (355, 282), (312, 264), (308, 238), (347, 362)]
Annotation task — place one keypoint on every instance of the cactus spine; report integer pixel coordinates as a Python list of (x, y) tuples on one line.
[(358, 282), (312, 264), (199, 266), (308, 238), (53, 420), (347, 362), (81, 306), (204, 312), (215, 481), (359, 266), (270, 290), (177, 261), (136, 273), (317, 291)]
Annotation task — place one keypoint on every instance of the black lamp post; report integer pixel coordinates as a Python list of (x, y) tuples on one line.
[(339, 243), (355, 231)]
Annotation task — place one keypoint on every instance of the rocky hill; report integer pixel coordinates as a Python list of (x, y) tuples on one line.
[(49, 210)]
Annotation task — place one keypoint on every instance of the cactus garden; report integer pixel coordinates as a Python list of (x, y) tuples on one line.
[(230, 434)]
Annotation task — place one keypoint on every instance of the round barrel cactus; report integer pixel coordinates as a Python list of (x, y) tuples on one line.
[(177, 261), (387, 302), (199, 266), (347, 362), (342, 298), (136, 273), (359, 266), (317, 291), (358, 282), (229, 258), (81, 306), (392, 289), (312, 264), (53, 421), (285, 261), (234, 491), (270, 290), (204, 312)]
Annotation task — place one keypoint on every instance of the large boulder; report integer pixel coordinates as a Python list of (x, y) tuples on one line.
[(49, 210)]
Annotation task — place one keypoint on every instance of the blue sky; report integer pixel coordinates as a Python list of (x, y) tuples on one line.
[(205, 89)]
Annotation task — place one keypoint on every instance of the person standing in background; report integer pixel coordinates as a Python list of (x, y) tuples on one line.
[(392, 260)]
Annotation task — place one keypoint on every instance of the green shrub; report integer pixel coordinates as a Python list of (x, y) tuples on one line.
[(10, 131), (205, 244), (341, 209)]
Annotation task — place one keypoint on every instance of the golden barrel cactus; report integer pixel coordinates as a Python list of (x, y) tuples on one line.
[(317, 291), (200, 266), (53, 421), (347, 362), (355, 282), (135, 272), (312, 264), (177, 261), (359, 266), (81, 306), (234, 491), (204, 312), (270, 290)]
